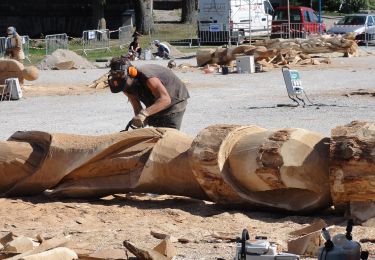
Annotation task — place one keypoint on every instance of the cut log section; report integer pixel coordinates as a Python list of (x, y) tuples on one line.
[(352, 166), (285, 169)]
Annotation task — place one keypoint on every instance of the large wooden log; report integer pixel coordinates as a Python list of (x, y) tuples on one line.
[(285, 169), (352, 167), (147, 160)]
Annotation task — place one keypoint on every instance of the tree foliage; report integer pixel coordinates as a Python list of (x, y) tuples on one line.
[(342, 6)]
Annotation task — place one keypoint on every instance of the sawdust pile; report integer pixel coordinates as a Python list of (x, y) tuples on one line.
[(65, 59)]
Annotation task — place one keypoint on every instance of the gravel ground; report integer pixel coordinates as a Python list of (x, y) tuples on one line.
[(215, 99)]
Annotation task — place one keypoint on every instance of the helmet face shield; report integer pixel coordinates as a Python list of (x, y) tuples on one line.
[(117, 81), (118, 74)]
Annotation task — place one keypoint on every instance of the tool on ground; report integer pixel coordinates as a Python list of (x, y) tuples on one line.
[(341, 246), (131, 126), (259, 249)]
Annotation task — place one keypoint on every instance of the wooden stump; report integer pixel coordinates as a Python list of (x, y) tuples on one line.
[(352, 168)]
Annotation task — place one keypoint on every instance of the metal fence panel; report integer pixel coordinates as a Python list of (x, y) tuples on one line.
[(56, 41), (369, 36), (208, 33), (185, 34), (296, 30), (2, 46), (125, 35), (26, 46), (95, 40)]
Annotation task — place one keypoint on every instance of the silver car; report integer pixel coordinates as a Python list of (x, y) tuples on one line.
[(363, 25)]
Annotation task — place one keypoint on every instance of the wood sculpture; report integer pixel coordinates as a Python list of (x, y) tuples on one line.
[(288, 169), (15, 69), (244, 165)]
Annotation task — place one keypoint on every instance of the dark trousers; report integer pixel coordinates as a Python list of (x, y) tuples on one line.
[(172, 120)]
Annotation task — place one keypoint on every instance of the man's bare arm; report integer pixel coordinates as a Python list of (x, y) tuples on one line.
[(134, 101), (163, 100)]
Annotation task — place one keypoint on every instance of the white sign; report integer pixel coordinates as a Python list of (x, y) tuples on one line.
[(214, 28), (91, 35)]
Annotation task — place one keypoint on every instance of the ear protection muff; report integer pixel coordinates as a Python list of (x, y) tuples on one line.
[(132, 72)]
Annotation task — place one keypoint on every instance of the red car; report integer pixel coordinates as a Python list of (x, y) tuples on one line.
[(303, 21)]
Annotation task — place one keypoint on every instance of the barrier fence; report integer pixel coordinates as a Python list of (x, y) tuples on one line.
[(125, 34), (296, 30), (186, 34), (56, 41), (369, 36), (26, 46), (2, 46), (95, 40)]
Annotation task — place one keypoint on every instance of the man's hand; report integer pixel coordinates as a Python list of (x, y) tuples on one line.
[(139, 120)]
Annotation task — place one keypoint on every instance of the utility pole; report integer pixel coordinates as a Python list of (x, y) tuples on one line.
[(289, 19), (250, 22)]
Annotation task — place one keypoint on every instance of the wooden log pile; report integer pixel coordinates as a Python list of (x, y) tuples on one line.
[(273, 52)]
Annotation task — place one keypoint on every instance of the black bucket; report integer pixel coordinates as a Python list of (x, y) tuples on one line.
[(225, 70)]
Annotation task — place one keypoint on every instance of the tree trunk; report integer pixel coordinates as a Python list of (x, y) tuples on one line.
[(188, 11), (352, 165), (143, 16), (97, 12)]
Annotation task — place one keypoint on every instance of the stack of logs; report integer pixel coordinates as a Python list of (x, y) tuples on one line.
[(281, 51)]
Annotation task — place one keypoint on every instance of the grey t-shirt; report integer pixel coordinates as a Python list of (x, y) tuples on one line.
[(174, 86)]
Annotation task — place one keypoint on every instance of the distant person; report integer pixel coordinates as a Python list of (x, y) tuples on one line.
[(135, 48), (157, 95), (13, 45), (163, 50)]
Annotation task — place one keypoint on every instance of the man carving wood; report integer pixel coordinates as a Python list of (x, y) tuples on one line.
[(162, 93), (14, 45)]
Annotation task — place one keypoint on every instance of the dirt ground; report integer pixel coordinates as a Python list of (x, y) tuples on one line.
[(105, 223), (60, 101)]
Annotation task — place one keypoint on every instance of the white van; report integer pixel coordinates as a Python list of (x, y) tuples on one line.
[(218, 18)]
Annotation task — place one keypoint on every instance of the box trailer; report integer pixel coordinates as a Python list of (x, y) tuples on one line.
[(220, 20)]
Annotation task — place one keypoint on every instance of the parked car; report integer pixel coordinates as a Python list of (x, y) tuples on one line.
[(363, 25), (303, 21)]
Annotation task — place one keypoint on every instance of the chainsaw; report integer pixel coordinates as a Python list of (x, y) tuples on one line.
[(259, 249)]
